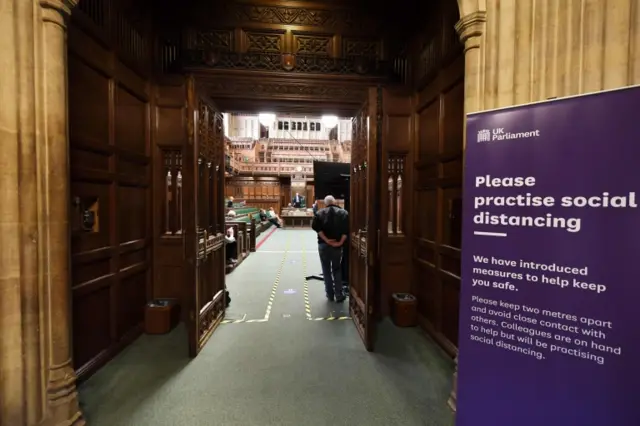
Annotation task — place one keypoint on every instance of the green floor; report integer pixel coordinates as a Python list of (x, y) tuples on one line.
[(288, 371)]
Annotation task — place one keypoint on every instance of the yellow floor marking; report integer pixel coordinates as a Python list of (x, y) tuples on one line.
[(274, 289), (330, 319), (307, 304)]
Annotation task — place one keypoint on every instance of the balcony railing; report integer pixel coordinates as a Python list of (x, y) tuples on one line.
[(279, 169), (278, 62)]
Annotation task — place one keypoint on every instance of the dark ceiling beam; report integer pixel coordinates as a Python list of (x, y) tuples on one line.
[(303, 108), (236, 91), (208, 74)]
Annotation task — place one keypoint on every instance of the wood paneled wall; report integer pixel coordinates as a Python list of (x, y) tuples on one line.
[(395, 228), (310, 194), (438, 69), (169, 136), (259, 192), (110, 131)]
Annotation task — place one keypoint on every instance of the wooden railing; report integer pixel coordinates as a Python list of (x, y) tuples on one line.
[(275, 169)]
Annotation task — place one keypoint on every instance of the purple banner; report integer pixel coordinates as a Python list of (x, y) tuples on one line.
[(551, 265)]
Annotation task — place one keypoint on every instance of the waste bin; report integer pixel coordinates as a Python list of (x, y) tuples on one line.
[(161, 316), (404, 309)]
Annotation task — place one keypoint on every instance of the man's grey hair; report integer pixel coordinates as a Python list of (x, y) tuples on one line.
[(329, 200), (231, 213)]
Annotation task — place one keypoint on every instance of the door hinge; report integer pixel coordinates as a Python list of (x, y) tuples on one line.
[(371, 258), (370, 309), (192, 315)]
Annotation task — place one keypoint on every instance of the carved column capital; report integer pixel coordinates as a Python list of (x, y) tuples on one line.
[(470, 27), (57, 11)]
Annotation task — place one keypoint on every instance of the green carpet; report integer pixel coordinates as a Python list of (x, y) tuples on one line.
[(288, 371)]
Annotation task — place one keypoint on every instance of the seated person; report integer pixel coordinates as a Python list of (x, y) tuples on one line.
[(263, 215), (230, 202), (273, 218), (230, 247)]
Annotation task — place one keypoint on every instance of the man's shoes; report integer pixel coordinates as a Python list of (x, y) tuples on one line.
[(341, 299), (330, 298)]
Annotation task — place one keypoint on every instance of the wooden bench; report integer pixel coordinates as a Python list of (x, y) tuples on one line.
[(245, 235), (260, 225), (239, 245)]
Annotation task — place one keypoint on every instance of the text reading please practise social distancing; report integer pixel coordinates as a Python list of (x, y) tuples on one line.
[(604, 200)]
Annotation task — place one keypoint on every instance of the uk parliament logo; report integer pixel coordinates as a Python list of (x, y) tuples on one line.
[(484, 135)]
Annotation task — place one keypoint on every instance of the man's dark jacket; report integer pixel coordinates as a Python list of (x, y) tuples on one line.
[(333, 221)]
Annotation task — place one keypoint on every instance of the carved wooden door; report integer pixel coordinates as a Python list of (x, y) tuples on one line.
[(204, 206), (364, 216)]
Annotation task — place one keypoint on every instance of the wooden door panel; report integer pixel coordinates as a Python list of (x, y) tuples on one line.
[(204, 213), (438, 205), (364, 216)]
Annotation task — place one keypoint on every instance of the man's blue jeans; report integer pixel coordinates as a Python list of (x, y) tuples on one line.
[(331, 260)]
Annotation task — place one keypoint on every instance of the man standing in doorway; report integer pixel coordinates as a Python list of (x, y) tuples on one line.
[(332, 225)]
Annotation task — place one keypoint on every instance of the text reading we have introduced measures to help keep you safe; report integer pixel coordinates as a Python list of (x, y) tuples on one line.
[(535, 330), (509, 274)]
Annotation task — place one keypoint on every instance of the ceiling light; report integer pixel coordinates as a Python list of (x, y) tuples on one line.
[(329, 121), (266, 119)]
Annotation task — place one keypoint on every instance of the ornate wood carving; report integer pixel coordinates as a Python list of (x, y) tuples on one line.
[(210, 133), (264, 42), (293, 14), (219, 40), (358, 216), (288, 15), (218, 142), (205, 202), (313, 45), (210, 317), (395, 171), (347, 92), (357, 312), (360, 47), (172, 217), (273, 62)]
